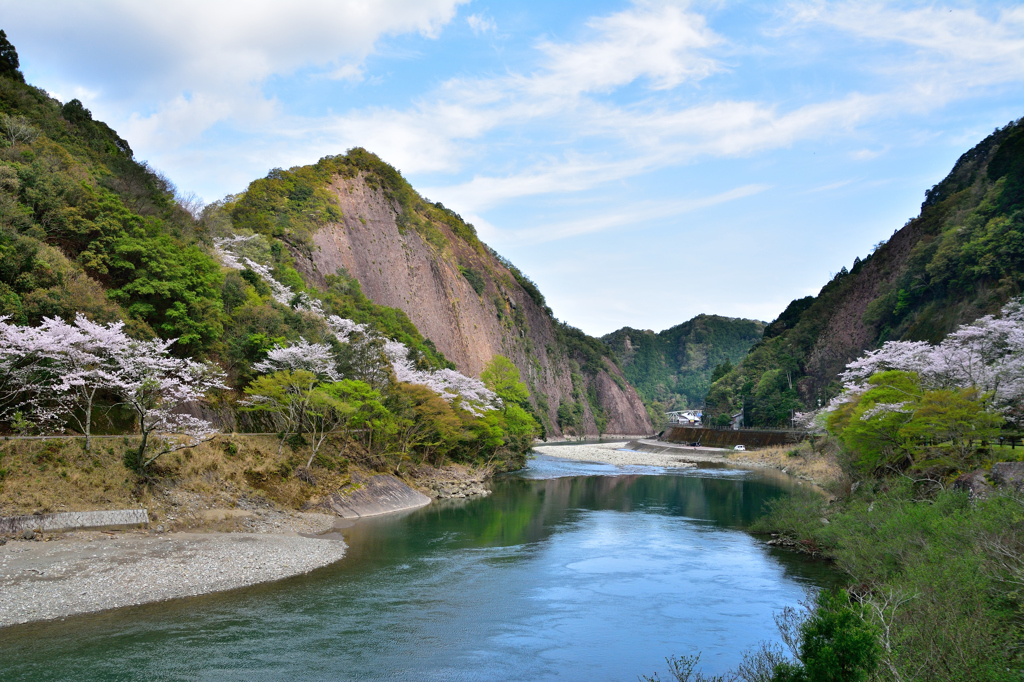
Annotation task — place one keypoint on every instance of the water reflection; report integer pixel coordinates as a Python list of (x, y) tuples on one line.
[(587, 577)]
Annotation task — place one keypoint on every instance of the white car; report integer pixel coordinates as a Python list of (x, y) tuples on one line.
[(740, 447)]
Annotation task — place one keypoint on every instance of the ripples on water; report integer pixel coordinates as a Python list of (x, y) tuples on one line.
[(568, 571)]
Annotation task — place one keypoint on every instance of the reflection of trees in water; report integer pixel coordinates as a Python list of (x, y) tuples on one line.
[(522, 512)]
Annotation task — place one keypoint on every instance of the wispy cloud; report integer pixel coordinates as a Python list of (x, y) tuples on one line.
[(627, 215), (478, 23)]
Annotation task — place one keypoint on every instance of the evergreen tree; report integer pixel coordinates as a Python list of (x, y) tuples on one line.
[(9, 59)]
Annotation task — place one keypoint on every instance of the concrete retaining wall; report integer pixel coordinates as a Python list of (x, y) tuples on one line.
[(376, 495), (725, 438), (73, 520)]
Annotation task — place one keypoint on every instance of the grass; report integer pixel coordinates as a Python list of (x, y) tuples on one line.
[(59, 475), (819, 465)]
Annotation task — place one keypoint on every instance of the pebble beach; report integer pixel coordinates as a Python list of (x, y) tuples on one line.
[(93, 571)]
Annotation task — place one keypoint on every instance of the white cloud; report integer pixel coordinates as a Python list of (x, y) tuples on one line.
[(659, 42), (628, 215), (867, 154), (184, 66), (479, 24), (953, 47)]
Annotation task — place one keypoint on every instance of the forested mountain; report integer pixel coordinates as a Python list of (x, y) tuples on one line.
[(961, 258), (675, 367), (85, 227), (352, 223)]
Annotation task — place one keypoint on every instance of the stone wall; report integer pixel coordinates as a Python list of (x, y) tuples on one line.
[(73, 520)]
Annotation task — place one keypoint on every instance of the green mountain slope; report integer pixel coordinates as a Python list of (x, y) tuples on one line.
[(85, 227), (674, 367), (354, 219), (961, 258)]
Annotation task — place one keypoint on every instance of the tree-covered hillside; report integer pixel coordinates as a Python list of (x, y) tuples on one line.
[(961, 258), (89, 234), (675, 367)]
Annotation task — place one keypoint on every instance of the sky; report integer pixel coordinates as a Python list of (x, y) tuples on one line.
[(643, 162)]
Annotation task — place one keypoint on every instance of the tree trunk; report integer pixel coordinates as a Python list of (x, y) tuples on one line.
[(88, 421)]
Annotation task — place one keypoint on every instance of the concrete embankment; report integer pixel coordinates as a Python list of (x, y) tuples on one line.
[(375, 495), (728, 438)]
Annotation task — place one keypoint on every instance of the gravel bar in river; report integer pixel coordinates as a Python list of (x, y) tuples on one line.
[(94, 571), (612, 453)]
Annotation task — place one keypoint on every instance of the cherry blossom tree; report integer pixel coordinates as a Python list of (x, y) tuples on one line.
[(470, 394), (155, 386), (82, 368), (317, 358), (56, 371), (987, 355)]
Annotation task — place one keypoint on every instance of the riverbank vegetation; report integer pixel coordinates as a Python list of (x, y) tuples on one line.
[(928, 525)]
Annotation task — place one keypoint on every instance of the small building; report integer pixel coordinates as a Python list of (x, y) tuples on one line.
[(737, 420)]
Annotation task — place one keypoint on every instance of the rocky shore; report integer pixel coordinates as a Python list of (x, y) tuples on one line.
[(613, 453), (649, 452), (59, 575)]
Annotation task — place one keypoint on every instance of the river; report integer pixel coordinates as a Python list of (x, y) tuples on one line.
[(568, 571)]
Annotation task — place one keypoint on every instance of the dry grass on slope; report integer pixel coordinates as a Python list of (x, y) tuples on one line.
[(225, 473), (802, 461)]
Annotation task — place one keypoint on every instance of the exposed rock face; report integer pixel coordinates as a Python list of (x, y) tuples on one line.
[(375, 495), (397, 267), (1010, 474), (975, 484)]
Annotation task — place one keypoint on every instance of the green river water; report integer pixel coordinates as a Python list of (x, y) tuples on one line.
[(568, 571)]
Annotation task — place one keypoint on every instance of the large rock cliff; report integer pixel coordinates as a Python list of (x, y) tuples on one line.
[(961, 258), (470, 303)]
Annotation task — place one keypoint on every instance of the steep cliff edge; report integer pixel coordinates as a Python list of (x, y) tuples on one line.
[(423, 259), (961, 258)]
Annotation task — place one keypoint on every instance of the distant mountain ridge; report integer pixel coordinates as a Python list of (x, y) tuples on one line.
[(674, 367), (961, 258)]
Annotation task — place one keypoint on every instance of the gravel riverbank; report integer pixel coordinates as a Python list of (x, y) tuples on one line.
[(806, 466), (612, 453), (92, 571)]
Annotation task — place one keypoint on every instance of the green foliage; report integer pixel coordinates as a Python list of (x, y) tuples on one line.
[(589, 353), (474, 278), (77, 213), (570, 417), (936, 574), (502, 377), (942, 428), (9, 60), (963, 257), (836, 644), (676, 367)]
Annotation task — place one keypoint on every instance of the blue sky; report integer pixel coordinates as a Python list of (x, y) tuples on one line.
[(643, 162)]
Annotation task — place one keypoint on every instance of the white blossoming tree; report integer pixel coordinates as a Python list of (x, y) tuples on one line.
[(316, 358), (54, 373), (155, 386)]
